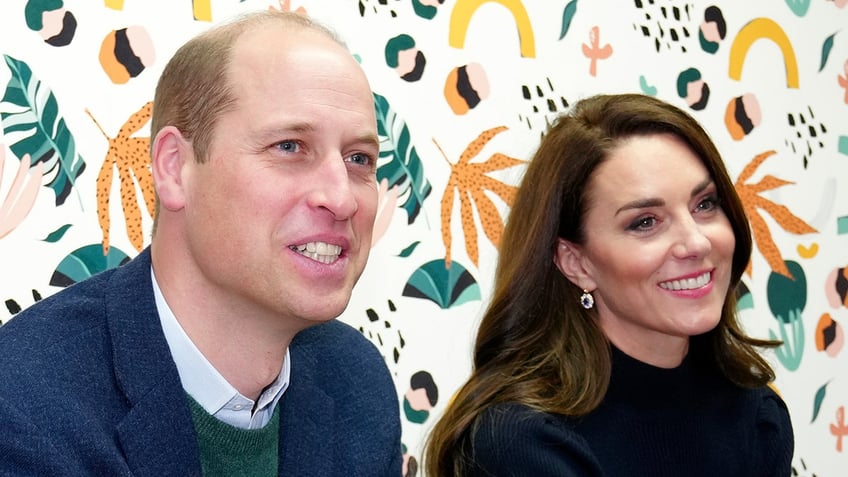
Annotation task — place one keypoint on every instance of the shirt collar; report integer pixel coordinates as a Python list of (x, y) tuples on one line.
[(202, 381)]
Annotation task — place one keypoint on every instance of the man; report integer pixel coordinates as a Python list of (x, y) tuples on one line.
[(215, 351)]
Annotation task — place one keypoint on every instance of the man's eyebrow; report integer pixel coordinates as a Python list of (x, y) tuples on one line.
[(278, 130), (369, 139)]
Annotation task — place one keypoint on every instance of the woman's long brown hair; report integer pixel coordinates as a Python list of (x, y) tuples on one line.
[(536, 345)]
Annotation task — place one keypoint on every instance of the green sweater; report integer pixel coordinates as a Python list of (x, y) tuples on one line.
[(227, 450)]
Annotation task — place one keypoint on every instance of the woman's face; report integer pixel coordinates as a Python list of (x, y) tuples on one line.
[(658, 250)]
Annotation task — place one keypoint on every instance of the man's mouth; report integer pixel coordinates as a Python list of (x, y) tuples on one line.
[(319, 251)]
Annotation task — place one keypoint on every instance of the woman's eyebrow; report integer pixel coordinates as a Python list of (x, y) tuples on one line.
[(657, 202), (641, 204), (702, 186)]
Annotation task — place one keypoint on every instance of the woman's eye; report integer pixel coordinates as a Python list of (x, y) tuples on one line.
[(642, 223), (708, 204)]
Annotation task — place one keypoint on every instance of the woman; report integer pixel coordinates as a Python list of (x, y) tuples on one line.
[(611, 345)]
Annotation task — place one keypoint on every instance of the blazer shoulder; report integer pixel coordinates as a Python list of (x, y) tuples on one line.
[(335, 341), (76, 309), (62, 316), (336, 361)]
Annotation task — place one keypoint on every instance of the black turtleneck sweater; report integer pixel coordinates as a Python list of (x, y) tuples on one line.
[(686, 421)]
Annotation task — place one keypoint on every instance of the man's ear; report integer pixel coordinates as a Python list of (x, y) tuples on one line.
[(570, 260), (170, 153)]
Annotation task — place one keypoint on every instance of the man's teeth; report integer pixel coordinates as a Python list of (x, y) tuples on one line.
[(687, 284), (319, 251)]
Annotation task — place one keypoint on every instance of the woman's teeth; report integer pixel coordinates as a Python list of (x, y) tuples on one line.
[(687, 284)]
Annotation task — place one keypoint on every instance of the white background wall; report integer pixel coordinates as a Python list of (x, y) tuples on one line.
[(436, 340)]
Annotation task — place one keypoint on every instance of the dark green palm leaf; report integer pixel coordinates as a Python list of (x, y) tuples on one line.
[(32, 125), (399, 162), (443, 286)]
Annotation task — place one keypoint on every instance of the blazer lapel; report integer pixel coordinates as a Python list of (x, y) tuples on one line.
[(157, 434), (156, 439), (307, 415)]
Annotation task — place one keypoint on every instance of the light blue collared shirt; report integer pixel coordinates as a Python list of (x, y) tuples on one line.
[(206, 385)]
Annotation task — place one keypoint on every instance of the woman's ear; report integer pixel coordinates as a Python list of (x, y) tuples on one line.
[(169, 154), (570, 260)]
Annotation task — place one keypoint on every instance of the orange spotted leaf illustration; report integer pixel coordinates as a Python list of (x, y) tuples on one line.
[(131, 157), (752, 201), (469, 181)]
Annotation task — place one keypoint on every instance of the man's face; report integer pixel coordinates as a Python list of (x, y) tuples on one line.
[(279, 218)]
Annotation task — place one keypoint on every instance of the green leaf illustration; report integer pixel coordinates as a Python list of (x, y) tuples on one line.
[(408, 250), (57, 234), (567, 16), (646, 88), (825, 54), (798, 7), (443, 286), (817, 402), (787, 298), (32, 125), (744, 298), (400, 164), (792, 334), (85, 262), (786, 295)]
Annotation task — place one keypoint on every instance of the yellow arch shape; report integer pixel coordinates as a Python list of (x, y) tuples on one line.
[(202, 9), (464, 10), (753, 31)]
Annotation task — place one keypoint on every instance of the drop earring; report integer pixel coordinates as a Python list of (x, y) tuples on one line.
[(587, 300)]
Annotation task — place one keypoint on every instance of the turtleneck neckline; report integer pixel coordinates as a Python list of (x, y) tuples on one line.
[(637, 383)]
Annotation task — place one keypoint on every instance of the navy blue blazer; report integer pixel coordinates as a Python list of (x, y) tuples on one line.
[(88, 387)]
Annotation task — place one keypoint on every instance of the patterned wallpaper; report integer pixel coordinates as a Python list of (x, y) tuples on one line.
[(463, 91)]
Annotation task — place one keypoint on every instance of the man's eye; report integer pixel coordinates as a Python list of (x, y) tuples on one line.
[(362, 159), (288, 146)]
